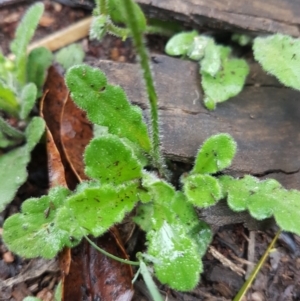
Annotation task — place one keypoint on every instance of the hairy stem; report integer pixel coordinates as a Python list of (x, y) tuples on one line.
[(101, 7), (138, 40), (110, 255)]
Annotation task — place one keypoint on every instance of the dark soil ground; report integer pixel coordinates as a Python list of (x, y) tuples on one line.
[(279, 278)]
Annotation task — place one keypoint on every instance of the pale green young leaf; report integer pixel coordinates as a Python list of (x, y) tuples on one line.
[(264, 199), (39, 60), (28, 98), (227, 82), (202, 190), (174, 235), (107, 105), (14, 163), (197, 49), (211, 63), (175, 254), (70, 55), (180, 43), (279, 55), (8, 101), (118, 14), (23, 35), (103, 207), (109, 160), (34, 232), (216, 154)]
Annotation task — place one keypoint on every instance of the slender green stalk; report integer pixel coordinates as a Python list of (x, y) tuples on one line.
[(153, 290), (259, 265), (110, 255), (10, 131), (138, 40)]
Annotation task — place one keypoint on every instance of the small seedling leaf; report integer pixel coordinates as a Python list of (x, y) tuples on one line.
[(14, 163), (70, 55), (33, 232), (28, 98), (279, 55), (180, 43), (264, 199), (109, 160), (103, 207), (211, 63), (107, 105), (227, 82), (216, 154), (24, 33), (197, 49), (39, 60), (202, 190)]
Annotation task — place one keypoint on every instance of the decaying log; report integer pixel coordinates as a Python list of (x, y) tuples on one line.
[(268, 16), (263, 118)]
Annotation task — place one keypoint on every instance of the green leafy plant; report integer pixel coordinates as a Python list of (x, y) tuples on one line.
[(21, 80), (126, 171), (279, 55), (222, 77)]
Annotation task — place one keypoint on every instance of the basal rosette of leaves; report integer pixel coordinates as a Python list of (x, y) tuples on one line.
[(21, 80)]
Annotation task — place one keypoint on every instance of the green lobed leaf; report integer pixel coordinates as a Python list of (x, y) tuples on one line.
[(216, 154), (264, 199), (107, 105), (14, 163), (180, 43), (279, 55), (70, 55), (34, 232), (197, 49), (39, 60), (109, 160), (202, 190), (103, 207), (23, 35), (227, 82), (211, 63), (176, 239), (28, 98)]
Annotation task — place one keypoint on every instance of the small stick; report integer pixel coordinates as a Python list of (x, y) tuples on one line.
[(65, 36)]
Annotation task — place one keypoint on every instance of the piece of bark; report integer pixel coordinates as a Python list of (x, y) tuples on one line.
[(263, 118), (269, 16), (252, 17)]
